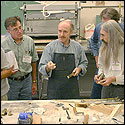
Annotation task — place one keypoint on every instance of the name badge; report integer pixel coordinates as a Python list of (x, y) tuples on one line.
[(116, 66), (27, 59)]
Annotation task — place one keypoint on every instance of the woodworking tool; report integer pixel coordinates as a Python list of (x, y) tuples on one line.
[(68, 115), (103, 76), (75, 111), (84, 105), (66, 111), (69, 76), (65, 108), (4, 112), (116, 120), (86, 117)]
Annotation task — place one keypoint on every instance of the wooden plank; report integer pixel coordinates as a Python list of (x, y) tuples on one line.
[(37, 119), (116, 110), (102, 108)]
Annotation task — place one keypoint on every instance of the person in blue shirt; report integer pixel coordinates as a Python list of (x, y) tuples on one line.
[(106, 14), (60, 58)]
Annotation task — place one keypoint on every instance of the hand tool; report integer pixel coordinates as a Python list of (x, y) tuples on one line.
[(69, 76), (65, 108), (66, 112), (75, 111), (4, 112), (84, 105), (103, 76), (116, 120), (74, 108), (68, 115)]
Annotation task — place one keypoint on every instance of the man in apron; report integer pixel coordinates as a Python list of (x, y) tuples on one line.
[(61, 58)]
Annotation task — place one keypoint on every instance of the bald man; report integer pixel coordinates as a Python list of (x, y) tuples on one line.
[(60, 58)]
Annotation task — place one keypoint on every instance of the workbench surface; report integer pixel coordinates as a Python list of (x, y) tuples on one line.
[(52, 112)]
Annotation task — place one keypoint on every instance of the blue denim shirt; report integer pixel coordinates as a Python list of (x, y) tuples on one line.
[(58, 46), (95, 39)]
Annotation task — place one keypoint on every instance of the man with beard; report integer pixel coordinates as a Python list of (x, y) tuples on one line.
[(22, 84), (106, 14), (61, 58), (111, 61)]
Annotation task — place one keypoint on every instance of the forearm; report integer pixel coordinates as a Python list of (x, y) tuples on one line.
[(96, 60), (5, 73), (34, 71)]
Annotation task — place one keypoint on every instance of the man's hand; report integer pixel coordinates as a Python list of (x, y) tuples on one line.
[(76, 71), (8, 72), (50, 66), (99, 78), (104, 82), (34, 88)]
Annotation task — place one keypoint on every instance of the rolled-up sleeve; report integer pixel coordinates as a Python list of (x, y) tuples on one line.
[(95, 40), (45, 58), (34, 53)]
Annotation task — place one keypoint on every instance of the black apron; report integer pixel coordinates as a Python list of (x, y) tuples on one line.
[(59, 86)]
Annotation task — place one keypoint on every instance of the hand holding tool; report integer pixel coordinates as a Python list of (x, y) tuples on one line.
[(69, 76)]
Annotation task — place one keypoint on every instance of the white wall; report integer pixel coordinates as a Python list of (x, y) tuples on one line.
[(88, 15)]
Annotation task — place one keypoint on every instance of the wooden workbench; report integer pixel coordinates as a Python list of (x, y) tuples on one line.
[(51, 112)]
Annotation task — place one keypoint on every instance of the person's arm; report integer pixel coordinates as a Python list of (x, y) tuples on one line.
[(96, 60), (6, 72), (44, 65), (95, 43), (81, 67), (34, 79)]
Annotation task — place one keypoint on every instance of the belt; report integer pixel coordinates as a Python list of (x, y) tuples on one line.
[(20, 78)]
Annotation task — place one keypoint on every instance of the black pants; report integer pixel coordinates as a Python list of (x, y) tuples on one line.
[(113, 91)]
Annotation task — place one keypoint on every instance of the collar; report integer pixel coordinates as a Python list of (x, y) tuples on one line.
[(63, 44), (15, 41)]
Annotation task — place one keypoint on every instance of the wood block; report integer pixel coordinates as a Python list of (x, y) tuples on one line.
[(102, 108), (116, 110), (86, 117), (37, 119)]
